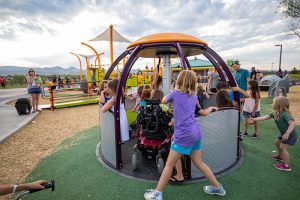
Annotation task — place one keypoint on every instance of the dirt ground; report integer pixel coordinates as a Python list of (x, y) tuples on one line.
[(20, 153), (294, 98)]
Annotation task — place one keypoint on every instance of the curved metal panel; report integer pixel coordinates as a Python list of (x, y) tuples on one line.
[(219, 141)]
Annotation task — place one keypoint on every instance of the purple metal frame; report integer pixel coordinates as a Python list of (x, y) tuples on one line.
[(208, 52)]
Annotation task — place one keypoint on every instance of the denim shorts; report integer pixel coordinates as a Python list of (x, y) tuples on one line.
[(248, 115), (291, 141), (186, 150), (34, 90)]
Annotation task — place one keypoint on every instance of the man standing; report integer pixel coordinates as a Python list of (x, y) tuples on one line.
[(240, 75), (253, 73)]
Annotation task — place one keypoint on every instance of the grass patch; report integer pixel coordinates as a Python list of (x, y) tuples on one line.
[(84, 102), (79, 175)]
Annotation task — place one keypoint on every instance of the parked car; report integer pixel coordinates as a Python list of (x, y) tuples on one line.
[(267, 81)]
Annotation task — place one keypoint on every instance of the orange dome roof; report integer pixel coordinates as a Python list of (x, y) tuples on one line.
[(166, 37)]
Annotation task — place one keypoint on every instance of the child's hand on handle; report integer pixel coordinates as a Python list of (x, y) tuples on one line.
[(37, 185), (285, 136)]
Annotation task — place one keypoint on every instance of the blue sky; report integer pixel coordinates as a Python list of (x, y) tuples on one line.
[(42, 33)]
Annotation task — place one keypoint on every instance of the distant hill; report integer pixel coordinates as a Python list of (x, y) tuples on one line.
[(15, 70)]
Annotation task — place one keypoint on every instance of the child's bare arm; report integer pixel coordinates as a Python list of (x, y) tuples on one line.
[(251, 120), (243, 92), (135, 107), (108, 105), (164, 100), (289, 130), (207, 111), (256, 105), (206, 95), (101, 98)]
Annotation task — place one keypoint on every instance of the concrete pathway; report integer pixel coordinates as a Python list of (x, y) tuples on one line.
[(10, 121)]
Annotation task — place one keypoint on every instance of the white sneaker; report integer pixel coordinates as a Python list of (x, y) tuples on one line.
[(153, 195), (214, 190)]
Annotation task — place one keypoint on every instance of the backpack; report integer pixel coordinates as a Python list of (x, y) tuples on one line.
[(23, 106)]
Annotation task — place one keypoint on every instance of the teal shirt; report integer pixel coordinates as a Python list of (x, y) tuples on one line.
[(241, 78), (282, 122), (142, 103)]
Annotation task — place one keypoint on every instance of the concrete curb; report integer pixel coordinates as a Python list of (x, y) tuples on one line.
[(18, 125)]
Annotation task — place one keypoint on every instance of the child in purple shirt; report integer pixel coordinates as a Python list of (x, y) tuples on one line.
[(187, 136)]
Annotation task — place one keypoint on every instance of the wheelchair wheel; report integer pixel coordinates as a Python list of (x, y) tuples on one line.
[(135, 161), (160, 164)]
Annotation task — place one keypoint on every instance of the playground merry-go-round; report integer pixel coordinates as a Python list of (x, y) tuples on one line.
[(221, 129)]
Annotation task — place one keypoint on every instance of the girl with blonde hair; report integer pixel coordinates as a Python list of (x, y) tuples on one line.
[(288, 134), (187, 136)]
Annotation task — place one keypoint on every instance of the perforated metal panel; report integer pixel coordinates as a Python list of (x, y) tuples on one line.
[(219, 141), (107, 127)]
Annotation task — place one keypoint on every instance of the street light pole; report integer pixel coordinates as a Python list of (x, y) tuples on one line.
[(280, 55)]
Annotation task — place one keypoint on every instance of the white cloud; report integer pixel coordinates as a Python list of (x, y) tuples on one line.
[(33, 34)]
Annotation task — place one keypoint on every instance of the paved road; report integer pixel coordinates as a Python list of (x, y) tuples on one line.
[(7, 94), (10, 121)]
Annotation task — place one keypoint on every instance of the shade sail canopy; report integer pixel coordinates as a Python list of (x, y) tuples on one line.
[(105, 36), (86, 56)]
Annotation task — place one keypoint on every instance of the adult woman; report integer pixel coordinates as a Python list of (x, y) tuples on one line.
[(34, 89)]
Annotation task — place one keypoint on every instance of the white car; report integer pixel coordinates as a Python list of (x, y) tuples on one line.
[(267, 81)]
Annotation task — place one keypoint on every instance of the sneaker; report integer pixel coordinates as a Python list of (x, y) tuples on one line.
[(254, 136), (245, 134), (213, 190), (282, 167), (153, 195), (276, 157)]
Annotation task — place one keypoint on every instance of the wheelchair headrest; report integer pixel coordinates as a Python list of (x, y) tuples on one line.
[(152, 102)]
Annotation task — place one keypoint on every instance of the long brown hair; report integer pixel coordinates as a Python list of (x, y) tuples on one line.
[(146, 94), (223, 99), (281, 104), (140, 90), (112, 85), (200, 90), (186, 82), (254, 89), (157, 95)]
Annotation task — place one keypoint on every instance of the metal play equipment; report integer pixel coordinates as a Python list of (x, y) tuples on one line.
[(221, 146), (282, 85)]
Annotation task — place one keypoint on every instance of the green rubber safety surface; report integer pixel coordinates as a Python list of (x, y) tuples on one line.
[(79, 175)]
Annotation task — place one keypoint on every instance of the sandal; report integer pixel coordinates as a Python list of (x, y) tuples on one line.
[(175, 181)]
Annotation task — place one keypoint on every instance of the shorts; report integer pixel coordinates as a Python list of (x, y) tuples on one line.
[(291, 141), (248, 115), (186, 150), (34, 90)]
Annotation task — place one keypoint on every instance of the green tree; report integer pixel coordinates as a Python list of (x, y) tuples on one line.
[(291, 10)]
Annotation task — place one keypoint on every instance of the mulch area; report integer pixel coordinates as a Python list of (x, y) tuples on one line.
[(20, 153)]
